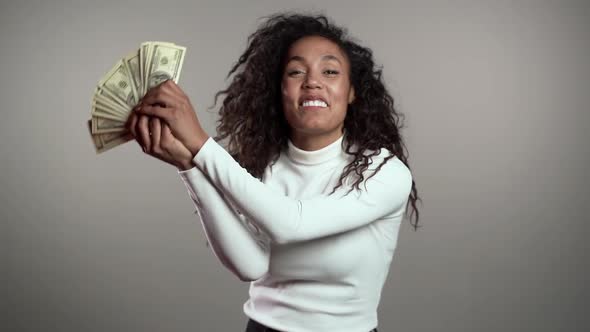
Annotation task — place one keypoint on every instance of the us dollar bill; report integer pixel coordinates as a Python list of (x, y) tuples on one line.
[(119, 90), (146, 51), (131, 63), (165, 63), (101, 125), (118, 84), (99, 110), (107, 141), (144, 54), (107, 103)]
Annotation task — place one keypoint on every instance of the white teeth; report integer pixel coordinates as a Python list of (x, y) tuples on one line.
[(314, 103)]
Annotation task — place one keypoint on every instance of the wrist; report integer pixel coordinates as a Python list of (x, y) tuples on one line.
[(185, 165), (197, 144)]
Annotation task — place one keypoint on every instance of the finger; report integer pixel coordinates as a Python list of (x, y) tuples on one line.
[(131, 123), (136, 128), (168, 139), (175, 88), (144, 133), (166, 132), (166, 136), (163, 96), (153, 110), (155, 128)]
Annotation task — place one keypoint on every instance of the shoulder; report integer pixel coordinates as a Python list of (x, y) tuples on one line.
[(386, 175), (387, 182), (390, 169), (384, 166), (387, 165)]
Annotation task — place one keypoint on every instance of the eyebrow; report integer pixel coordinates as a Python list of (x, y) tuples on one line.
[(324, 58)]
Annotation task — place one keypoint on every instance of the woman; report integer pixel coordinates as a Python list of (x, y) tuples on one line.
[(307, 201)]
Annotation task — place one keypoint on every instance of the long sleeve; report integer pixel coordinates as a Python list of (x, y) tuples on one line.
[(286, 219), (233, 240)]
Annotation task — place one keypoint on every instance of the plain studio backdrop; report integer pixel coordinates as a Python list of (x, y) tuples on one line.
[(496, 113)]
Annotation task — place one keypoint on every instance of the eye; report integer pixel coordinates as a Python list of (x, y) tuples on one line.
[(331, 72), (294, 72)]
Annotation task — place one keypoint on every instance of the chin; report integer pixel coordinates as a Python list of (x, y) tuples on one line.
[(314, 130)]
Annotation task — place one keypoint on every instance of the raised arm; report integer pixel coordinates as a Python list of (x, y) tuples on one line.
[(286, 219), (237, 245)]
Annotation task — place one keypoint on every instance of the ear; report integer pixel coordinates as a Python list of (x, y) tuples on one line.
[(351, 95)]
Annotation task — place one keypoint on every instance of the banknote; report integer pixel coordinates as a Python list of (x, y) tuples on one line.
[(165, 63), (106, 141), (119, 90)]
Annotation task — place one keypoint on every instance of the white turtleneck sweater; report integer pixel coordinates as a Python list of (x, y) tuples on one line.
[(316, 262)]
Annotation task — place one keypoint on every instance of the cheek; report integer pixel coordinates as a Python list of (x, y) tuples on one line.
[(342, 90), (289, 94)]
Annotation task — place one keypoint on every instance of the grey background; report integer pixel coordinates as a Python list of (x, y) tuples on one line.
[(495, 97)]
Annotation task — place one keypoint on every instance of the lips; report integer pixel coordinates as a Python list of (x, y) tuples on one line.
[(311, 98), (310, 101)]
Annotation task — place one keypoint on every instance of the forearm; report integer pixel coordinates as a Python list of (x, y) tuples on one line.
[(237, 247), (286, 219)]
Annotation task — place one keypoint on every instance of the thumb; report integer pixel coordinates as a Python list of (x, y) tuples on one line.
[(174, 147), (166, 132), (171, 142)]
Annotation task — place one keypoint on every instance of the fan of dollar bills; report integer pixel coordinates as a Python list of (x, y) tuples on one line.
[(122, 87)]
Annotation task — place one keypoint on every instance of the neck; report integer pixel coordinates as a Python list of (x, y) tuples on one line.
[(309, 142)]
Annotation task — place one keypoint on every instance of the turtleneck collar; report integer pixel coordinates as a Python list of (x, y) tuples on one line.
[(315, 157)]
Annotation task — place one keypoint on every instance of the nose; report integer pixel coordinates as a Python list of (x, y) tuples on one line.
[(311, 81)]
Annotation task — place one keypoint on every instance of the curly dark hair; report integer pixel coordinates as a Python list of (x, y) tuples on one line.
[(252, 117)]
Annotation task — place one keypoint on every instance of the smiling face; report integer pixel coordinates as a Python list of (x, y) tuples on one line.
[(316, 91)]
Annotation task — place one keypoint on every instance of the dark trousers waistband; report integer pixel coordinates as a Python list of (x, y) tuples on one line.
[(254, 326)]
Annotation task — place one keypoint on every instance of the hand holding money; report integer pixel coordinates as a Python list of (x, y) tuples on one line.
[(122, 87), (171, 105), (157, 140)]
